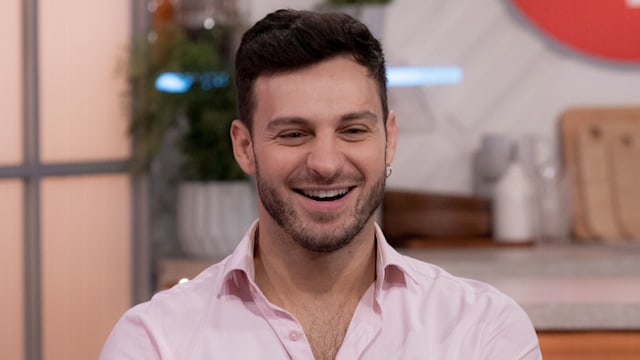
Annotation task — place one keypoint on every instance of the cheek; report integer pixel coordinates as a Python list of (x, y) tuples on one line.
[(275, 163), (371, 157)]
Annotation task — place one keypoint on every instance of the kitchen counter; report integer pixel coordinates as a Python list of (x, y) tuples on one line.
[(568, 287)]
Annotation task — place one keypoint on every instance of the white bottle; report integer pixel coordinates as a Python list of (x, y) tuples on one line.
[(553, 204), (514, 214)]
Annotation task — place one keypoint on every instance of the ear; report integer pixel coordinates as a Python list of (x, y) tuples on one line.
[(392, 137), (243, 147)]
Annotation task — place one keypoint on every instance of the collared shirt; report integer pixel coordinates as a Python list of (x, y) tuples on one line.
[(413, 310)]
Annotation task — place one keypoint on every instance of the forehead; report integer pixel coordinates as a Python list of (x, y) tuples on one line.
[(328, 89)]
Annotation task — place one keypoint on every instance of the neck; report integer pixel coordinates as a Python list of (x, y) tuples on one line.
[(289, 273)]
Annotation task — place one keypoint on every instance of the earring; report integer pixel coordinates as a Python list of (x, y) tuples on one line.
[(388, 170)]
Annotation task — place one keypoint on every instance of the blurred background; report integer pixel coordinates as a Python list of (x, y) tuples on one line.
[(519, 133)]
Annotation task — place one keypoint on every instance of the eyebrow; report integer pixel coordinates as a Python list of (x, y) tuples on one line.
[(296, 120), (365, 114), (286, 121)]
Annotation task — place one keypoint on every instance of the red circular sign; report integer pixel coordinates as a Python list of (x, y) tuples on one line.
[(607, 29)]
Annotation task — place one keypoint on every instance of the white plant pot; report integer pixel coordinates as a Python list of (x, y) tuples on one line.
[(213, 216)]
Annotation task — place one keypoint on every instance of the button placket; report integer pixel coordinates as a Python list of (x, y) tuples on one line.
[(295, 335), (296, 344)]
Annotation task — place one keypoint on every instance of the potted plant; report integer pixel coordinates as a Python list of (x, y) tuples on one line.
[(182, 82)]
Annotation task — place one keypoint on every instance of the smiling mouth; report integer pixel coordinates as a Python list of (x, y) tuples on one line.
[(324, 195)]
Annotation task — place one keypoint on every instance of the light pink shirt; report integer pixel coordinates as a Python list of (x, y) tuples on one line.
[(414, 310)]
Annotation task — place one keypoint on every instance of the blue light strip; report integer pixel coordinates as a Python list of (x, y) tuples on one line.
[(174, 83), (397, 76), (423, 76)]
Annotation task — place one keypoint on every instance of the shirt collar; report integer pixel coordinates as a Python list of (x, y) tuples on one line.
[(241, 260), (392, 268)]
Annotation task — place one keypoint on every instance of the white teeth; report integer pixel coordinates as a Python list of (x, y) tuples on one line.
[(321, 194)]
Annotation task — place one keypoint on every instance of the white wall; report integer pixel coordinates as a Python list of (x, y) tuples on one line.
[(259, 8), (516, 81)]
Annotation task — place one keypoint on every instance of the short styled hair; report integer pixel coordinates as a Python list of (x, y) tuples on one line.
[(292, 39)]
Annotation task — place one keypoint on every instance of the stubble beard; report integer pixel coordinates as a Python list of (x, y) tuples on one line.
[(331, 237)]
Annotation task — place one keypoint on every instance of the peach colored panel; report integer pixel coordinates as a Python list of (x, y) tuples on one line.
[(82, 113), (86, 262), (11, 86), (11, 268)]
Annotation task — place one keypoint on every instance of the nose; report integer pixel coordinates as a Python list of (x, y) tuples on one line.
[(325, 158)]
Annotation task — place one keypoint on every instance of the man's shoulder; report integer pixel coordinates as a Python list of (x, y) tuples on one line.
[(169, 319), (196, 293), (459, 314), (454, 300), (432, 279)]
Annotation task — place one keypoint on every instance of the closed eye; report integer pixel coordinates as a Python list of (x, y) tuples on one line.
[(291, 134), (292, 137), (355, 133)]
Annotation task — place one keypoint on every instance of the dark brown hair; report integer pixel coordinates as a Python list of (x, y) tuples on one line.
[(291, 39)]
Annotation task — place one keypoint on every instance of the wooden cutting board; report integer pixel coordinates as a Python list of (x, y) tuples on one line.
[(599, 209), (626, 178), (570, 122), (601, 153)]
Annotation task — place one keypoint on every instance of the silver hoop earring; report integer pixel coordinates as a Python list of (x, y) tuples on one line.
[(388, 170)]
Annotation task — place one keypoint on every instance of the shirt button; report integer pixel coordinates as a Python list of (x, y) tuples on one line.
[(294, 335)]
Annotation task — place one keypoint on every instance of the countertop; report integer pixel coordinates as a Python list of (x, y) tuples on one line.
[(562, 287)]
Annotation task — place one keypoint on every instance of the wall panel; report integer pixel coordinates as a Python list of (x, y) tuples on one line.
[(11, 85), (82, 106), (11, 268), (86, 270)]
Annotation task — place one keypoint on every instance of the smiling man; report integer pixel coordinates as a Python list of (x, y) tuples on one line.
[(314, 276), (318, 147)]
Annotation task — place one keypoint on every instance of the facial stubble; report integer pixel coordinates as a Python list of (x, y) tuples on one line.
[(331, 237)]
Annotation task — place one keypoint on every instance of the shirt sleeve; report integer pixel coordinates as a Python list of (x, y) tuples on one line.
[(129, 340), (510, 336)]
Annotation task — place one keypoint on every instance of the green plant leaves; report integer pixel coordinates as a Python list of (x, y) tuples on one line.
[(209, 104)]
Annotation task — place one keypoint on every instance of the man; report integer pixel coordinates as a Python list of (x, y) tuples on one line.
[(314, 276)]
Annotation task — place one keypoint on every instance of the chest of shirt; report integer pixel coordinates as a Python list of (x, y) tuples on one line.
[(233, 329)]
